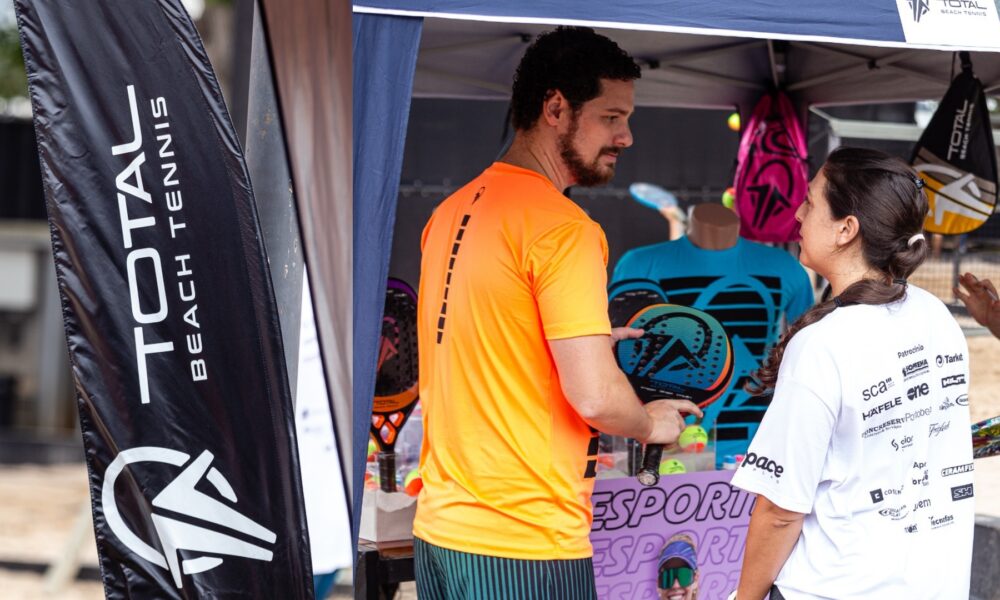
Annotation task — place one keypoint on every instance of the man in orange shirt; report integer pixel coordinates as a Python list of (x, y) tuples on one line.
[(516, 363)]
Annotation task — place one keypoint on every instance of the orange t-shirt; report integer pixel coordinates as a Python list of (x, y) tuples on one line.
[(507, 463)]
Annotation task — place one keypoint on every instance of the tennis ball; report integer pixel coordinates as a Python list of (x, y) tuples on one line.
[(412, 484), (693, 438), (372, 449), (729, 198), (734, 121), (672, 466)]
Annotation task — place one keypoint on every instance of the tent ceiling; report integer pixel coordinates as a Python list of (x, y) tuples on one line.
[(476, 59)]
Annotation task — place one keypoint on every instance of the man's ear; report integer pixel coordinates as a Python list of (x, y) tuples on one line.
[(555, 109), (848, 230)]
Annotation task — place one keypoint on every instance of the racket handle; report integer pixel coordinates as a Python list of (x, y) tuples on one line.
[(387, 471), (649, 474)]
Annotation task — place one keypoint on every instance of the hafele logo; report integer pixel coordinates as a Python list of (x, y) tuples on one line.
[(948, 359), (181, 498), (957, 470), (917, 391), (938, 428), (925, 503), (962, 400), (897, 513), (876, 389), (961, 492), (953, 380), (941, 521), (764, 464), (885, 406), (914, 369), (904, 442), (910, 351)]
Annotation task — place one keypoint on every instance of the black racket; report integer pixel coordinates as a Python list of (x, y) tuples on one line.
[(685, 353), (396, 389)]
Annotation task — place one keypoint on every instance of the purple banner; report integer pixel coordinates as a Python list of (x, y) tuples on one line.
[(687, 533)]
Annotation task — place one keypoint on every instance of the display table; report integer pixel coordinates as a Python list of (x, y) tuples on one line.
[(382, 566)]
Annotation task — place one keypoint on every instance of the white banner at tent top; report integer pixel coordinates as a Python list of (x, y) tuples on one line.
[(950, 22)]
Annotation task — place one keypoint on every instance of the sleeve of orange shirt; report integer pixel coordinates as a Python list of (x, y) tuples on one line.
[(568, 270)]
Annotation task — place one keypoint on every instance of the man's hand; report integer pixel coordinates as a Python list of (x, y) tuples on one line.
[(625, 333), (668, 419), (980, 298)]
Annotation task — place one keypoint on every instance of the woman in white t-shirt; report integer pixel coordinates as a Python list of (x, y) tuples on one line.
[(862, 465)]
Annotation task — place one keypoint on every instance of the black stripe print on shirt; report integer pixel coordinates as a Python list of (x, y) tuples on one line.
[(455, 247)]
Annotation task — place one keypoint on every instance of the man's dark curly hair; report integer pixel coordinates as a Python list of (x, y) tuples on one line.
[(572, 60)]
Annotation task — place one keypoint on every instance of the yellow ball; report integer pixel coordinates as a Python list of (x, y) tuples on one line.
[(729, 198), (693, 438), (372, 447), (672, 466), (734, 121)]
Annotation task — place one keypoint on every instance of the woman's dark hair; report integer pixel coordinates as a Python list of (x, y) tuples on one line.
[(885, 195), (572, 60)]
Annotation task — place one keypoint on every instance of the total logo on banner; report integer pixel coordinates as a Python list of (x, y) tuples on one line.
[(180, 497), (950, 22)]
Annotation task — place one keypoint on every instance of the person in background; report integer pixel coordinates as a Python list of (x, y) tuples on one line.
[(516, 366), (980, 298), (677, 569), (862, 465)]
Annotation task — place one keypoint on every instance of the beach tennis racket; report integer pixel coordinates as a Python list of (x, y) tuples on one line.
[(629, 296), (652, 196), (684, 353), (396, 376), (986, 438)]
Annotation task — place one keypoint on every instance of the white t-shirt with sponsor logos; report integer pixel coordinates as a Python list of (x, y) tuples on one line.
[(868, 435)]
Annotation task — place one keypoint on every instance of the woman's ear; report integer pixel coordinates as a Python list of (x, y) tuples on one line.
[(847, 230)]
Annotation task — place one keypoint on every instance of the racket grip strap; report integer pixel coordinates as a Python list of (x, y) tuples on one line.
[(387, 471), (649, 474)]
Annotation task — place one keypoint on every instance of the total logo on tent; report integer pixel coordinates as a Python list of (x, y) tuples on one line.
[(180, 497)]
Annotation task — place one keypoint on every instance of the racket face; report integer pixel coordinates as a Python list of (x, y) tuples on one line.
[(986, 438), (652, 196), (628, 297), (397, 371), (685, 353)]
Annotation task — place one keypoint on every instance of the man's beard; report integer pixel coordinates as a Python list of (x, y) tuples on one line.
[(587, 175)]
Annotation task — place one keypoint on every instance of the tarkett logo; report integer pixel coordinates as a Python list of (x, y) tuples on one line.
[(181, 498)]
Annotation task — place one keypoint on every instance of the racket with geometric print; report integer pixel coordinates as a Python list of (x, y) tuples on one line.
[(396, 388), (684, 353), (986, 438), (629, 296)]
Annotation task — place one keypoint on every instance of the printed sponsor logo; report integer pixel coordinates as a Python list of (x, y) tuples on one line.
[(902, 443), (972, 8), (957, 469), (953, 380), (938, 428), (763, 463), (878, 388), (877, 496), (941, 521), (897, 513), (877, 410), (961, 492), (910, 528), (946, 404), (895, 423), (925, 503), (194, 495), (910, 351), (915, 369), (917, 391), (922, 479), (949, 359), (962, 400)]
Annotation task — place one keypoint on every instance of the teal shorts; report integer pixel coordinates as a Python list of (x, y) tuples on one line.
[(444, 574)]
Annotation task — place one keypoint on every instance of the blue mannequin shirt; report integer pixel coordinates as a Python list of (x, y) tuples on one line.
[(750, 288)]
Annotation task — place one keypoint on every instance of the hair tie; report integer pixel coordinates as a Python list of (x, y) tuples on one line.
[(899, 281), (914, 239), (836, 300), (919, 182)]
